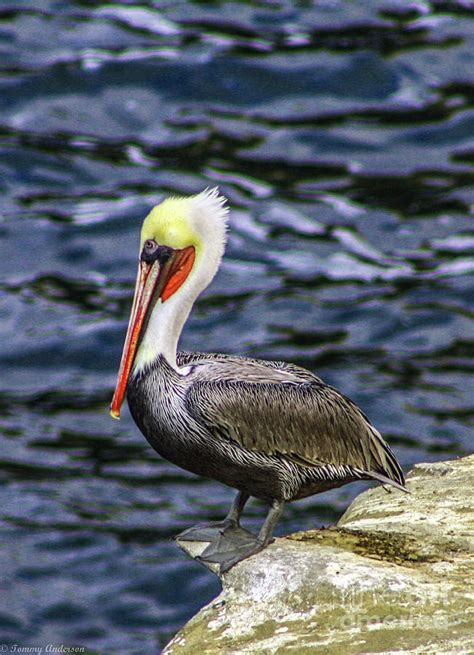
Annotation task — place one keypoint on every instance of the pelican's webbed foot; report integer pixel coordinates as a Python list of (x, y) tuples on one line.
[(233, 546), (229, 548), (209, 531)]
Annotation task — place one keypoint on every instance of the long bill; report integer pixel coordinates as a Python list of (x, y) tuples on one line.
[(145, 286), (154, 281)]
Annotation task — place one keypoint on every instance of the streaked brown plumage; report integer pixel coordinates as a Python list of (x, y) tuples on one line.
[(280, 409), (271, 430)]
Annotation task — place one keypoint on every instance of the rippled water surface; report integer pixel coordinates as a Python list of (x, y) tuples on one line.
[(342, 134)]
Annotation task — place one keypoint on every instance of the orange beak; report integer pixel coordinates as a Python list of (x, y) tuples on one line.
[(154, 281)]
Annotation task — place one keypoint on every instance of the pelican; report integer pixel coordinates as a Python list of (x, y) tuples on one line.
[(271, 430)]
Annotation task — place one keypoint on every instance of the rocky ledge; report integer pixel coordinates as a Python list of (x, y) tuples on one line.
[(394, 576)]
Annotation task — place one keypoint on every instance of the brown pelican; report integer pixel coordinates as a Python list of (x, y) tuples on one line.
[(272, 430)]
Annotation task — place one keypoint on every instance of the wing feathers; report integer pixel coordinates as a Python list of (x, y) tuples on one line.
[(289, 412)]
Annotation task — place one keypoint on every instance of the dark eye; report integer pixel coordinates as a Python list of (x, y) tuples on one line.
[(150, 245), (150, 251)]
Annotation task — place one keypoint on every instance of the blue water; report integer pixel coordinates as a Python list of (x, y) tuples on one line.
[(343, 135)]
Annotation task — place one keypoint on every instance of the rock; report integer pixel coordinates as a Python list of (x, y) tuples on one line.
[(394, 576)]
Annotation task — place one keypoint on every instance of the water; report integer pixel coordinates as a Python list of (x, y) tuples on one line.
[(342, 133)]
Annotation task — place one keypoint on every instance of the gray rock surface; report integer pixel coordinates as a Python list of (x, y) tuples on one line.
[(395, 576)]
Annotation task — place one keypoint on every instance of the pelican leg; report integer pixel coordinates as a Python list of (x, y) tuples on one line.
[(230, 548), (211, 531)]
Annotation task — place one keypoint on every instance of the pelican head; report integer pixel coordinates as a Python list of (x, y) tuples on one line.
[(181, 246)]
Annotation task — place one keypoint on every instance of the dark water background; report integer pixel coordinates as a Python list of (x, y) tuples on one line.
[(343, 134)]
